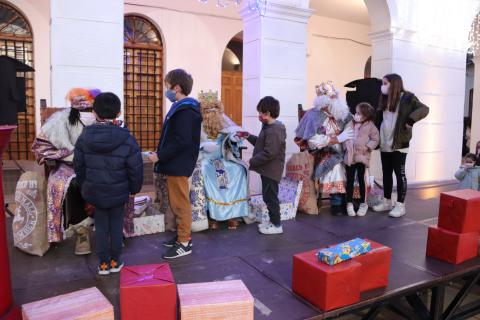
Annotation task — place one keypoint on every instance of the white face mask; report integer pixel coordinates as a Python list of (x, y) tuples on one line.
[(385, 89), (469, 165), (87, 118)]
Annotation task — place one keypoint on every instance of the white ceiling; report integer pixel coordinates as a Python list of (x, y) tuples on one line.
[(349, 10)]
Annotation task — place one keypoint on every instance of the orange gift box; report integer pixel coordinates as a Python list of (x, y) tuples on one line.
[(87, 304), (215, 300), (450, 246), (327, 287), (460, 211), (375, 266), (148, 292)]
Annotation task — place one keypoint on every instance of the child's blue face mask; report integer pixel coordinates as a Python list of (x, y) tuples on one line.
[(171, 95)]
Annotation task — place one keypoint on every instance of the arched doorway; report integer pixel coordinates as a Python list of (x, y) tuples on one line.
[(143, 67), (16, 41), (232, 78)]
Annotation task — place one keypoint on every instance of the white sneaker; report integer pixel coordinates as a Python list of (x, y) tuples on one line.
[(270, 229), (263, 224), (398, 211), (362, 210), (351, 210), (385, 205)]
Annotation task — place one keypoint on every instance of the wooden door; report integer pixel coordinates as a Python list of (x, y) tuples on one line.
[(232, 95)]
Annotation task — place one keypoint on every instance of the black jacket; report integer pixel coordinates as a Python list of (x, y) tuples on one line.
[(108, 164), (180, 140), (269, 151), (8, 92), (410, 111)]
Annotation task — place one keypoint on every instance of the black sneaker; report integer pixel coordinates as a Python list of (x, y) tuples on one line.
[(103, 269), (178, 250), (170, 243)]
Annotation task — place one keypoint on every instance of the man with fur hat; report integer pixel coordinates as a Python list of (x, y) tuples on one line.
[(321, 131)]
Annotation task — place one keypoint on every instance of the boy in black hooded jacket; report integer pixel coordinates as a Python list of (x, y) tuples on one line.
[(109, 168)]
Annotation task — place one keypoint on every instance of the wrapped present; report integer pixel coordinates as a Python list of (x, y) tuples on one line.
[(450, 246), (375, 266), (148, 292), (460, 211), (327, 287), (289, 191), (344, 251), (149, 222), (79, 305), (259, 211), (215, 300), (141, 203)]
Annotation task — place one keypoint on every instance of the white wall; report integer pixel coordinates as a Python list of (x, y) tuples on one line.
[(38, 15), (86, 46), (195, 36), (338, 60)]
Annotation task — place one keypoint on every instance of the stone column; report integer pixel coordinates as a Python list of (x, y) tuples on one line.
[(86, 46), (274, 57)]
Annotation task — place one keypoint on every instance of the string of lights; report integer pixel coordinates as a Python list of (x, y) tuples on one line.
[(253, 5), (474, 36)]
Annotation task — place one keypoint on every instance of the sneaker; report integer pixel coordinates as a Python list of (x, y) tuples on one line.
[(82, 243), (362, 210), (116, 266), (398, 211), (263, 224), (385, 205), (351, 210), (104, 269), (270, 228), (178, 250), (170, 243)]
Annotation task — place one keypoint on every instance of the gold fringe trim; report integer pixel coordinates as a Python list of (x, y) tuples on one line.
[(226, 203)]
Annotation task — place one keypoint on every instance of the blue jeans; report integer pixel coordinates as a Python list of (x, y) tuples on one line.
[(109, 233)]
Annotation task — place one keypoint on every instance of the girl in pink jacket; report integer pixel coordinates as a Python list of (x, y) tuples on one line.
[(357, 155)]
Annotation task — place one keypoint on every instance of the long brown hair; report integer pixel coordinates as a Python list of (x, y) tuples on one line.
[(389, 102)]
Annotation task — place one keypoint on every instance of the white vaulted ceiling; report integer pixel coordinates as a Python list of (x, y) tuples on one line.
[(349, 10)]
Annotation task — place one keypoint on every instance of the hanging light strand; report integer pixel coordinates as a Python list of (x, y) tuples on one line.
[(253, 5), (474, 36)]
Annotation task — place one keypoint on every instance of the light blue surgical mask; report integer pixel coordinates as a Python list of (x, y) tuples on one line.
[(171, 95)]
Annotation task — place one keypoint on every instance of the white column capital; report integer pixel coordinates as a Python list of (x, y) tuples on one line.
[(278, 10)]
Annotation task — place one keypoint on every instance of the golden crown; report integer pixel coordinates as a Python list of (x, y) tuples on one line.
[(326, 89), (209, 101), (208, 97)]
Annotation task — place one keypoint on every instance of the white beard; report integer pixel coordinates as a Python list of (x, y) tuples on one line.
[(337, 108)]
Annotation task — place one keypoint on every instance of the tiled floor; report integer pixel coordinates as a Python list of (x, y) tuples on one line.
[(262, 262)]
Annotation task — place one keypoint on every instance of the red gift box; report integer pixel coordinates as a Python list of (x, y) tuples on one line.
[(327, 287), (451, 246), (375, 266), (148, 292), (460, 211)]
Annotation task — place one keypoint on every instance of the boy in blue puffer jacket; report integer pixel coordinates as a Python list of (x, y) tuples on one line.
[(109, 168)]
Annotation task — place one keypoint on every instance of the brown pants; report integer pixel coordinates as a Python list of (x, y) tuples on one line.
[(179, 198)]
